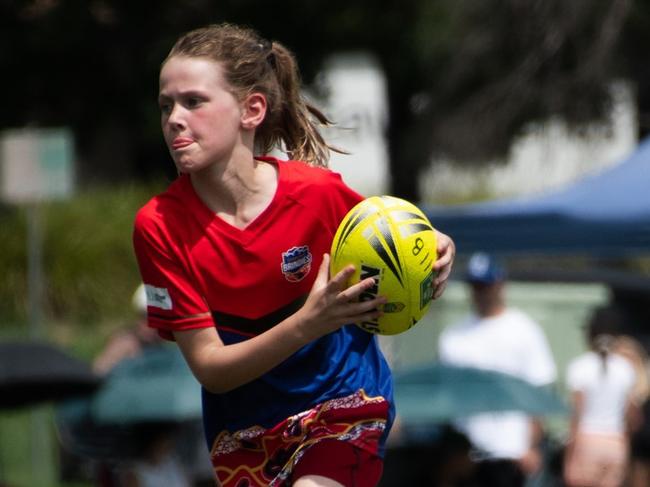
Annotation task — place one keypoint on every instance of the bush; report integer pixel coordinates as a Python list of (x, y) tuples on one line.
[(89, 268)]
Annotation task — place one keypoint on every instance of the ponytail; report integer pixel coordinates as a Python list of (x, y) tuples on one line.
[(296, 122), (605, 324), (603, 346)]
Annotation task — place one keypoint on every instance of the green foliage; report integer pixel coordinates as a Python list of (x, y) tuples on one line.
[(88, 263), (13, 264), (29, 449), (463, 77)]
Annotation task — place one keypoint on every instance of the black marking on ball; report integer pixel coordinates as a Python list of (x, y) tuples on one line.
[(392, 261), (358, 216), (413, 228)]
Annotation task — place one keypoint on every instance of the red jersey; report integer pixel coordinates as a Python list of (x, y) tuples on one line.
[(200, 271), (195, 264)]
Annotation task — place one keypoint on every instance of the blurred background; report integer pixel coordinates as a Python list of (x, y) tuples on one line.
[(447, 103)]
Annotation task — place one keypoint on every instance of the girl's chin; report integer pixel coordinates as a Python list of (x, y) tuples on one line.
[(185, 166)]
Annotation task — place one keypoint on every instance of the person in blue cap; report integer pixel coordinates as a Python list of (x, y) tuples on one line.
[(500, 338)]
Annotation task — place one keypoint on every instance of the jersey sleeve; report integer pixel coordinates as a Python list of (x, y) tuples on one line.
[(340, 199), (174, 302)]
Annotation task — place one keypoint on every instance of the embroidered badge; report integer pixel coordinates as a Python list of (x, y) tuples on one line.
[(296, 263)]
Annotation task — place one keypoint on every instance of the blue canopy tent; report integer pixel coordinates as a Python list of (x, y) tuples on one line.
[(607, 214)]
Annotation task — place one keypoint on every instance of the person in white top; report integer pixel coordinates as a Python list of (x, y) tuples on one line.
[(158, 464), (601, 383), (507, 340)]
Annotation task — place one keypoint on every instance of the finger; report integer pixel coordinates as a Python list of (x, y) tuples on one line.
[(370, 305), (443, 261), (341, 278), (445, 257), (440, 288), (323, 271), (352, 292), (337, 287), (370, 316), (442, 274), (363, 311)]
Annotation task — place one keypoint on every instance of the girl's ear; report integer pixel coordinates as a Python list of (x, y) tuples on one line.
[(253, 110)]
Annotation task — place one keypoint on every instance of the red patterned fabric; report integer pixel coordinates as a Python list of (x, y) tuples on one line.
[(266, 457)]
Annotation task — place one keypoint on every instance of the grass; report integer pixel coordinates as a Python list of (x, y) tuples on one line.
[(29, 448)]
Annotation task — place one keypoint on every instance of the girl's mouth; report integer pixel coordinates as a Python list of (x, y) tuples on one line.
[(181, 142)]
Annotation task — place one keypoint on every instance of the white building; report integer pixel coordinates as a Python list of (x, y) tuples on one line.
[(547, 157)]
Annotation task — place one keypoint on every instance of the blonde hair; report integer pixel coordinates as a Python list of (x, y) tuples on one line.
[(252, 64), (632, 350)]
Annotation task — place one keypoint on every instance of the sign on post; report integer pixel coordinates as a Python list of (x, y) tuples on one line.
[(37, 165)]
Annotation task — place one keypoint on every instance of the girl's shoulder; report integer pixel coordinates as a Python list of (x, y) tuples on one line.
[(300, 176), (302, 171), (167, 204)]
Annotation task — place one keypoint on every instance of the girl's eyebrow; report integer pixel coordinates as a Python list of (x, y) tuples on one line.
[(188, 93)]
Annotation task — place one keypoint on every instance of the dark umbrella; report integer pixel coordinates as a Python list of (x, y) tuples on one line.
[(439, 393), (35, 372)]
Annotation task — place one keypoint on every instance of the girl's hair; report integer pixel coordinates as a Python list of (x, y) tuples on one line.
[(252, 64), (604, 325)]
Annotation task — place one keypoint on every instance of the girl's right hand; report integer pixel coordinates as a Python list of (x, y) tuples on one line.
[(331, 304)]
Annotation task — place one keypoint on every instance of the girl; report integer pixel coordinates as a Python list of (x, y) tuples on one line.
[(234, 259), (601, 383)]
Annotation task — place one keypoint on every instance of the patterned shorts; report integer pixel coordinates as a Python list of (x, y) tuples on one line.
[(267, 457)]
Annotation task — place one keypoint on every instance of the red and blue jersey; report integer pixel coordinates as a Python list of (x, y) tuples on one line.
[(200, 271)]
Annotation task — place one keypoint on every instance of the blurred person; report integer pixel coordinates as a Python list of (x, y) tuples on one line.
[(453, 460), (630, 348), (157, 463), (164, 455), (500, 338), (130, 341), (639, 413), (633, 351), (234, 259), (639, 410), (601, 383), (127, 342)]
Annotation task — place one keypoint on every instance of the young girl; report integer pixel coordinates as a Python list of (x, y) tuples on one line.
[(601, 382), (234, 259)]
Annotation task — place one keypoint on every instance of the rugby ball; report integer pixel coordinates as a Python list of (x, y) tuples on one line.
[(392, 241)]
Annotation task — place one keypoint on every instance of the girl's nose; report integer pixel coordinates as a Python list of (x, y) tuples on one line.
[(176, 116)]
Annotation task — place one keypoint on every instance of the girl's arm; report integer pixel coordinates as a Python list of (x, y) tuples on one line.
[(330, 305)]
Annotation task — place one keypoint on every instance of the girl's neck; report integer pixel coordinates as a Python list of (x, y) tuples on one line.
[(238, 191)]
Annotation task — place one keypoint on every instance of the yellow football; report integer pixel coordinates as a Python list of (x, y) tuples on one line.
[(392, 241)]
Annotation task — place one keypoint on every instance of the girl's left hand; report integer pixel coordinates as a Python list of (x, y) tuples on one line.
[(446, 253)]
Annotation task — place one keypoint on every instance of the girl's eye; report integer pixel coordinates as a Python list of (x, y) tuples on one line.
[(165, 108), (193, 102)]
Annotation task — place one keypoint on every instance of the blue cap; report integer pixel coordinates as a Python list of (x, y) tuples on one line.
[(485, 269)]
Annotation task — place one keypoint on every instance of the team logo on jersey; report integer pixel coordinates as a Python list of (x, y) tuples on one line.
[(296, 263)]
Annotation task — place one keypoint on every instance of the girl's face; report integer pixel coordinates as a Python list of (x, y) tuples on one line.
[(200, 115)]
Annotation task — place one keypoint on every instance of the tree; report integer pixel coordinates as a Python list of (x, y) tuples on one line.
[(464, 77), (468, 77)]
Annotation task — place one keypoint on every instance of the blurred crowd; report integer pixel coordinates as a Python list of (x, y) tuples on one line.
[(607, 442), (153, 453)]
